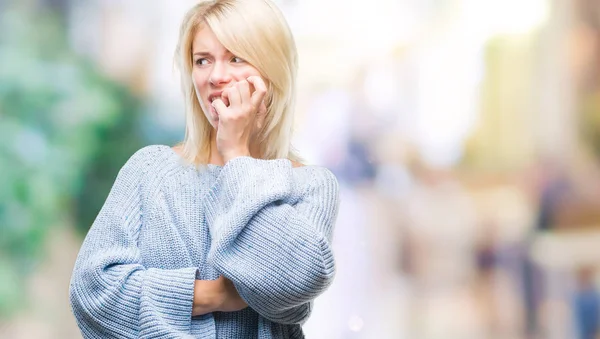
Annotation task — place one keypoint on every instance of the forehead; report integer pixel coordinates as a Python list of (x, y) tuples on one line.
[(206, 40)]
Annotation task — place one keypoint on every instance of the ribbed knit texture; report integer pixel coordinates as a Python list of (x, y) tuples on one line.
[(260, 223)]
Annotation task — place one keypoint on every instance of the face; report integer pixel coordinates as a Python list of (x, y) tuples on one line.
[(214, 69)]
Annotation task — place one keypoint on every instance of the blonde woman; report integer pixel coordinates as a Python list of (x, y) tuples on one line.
[(226, 235)]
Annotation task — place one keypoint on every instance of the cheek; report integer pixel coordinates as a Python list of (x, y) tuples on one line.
[(200, 80), (200, 89), (247, 72)]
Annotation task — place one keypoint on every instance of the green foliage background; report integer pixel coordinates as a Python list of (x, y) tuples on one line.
[(65, 130)]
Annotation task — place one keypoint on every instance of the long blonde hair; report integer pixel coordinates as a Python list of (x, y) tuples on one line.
[(256, 31)]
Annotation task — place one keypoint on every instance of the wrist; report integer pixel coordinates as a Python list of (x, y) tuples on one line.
[(208, 297)]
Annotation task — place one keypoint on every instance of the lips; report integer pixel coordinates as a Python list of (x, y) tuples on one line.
[(214, 96)]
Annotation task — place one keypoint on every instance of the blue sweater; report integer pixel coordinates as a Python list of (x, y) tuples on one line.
[(262, 224)]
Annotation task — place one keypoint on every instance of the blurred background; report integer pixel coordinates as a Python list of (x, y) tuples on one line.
[(465, 135)]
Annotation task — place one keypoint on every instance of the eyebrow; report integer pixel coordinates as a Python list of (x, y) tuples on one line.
[(204, 53)]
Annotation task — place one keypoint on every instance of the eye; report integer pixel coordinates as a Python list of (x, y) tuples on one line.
[(201, 61), (237, 60)]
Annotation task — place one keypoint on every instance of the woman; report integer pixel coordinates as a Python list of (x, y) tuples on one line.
[(225, 235)]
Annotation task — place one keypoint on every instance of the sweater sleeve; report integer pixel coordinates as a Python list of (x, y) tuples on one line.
[(111, 293), (272, 236)]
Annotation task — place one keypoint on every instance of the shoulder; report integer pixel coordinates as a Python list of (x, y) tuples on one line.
[(152, 152), (311, 172), (146, 163), (318, 178), (148, 157)]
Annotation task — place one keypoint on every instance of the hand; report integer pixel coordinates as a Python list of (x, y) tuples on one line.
[(216, 295), (230, 299), (241, 115)]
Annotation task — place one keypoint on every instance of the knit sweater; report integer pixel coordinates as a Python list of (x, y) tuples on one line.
[(263, 224)]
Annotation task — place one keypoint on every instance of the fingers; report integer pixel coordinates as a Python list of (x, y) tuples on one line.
[(219, 105), (246, 94), (225, 98), (262, 112), (263, 108), (260, 90), (244, 91), (233, 95)]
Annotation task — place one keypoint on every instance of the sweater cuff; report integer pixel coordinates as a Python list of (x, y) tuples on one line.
[(171, 294)]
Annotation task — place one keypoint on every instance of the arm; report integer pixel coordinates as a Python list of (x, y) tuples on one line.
[(112, 294), (272, 238)]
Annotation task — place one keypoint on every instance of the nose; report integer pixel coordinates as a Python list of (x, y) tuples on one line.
[(220, 74)]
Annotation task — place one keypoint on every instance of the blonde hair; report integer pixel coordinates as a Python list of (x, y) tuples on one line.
[(256, 31)]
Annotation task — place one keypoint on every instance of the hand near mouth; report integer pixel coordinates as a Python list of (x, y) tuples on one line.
[(241, 114)]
